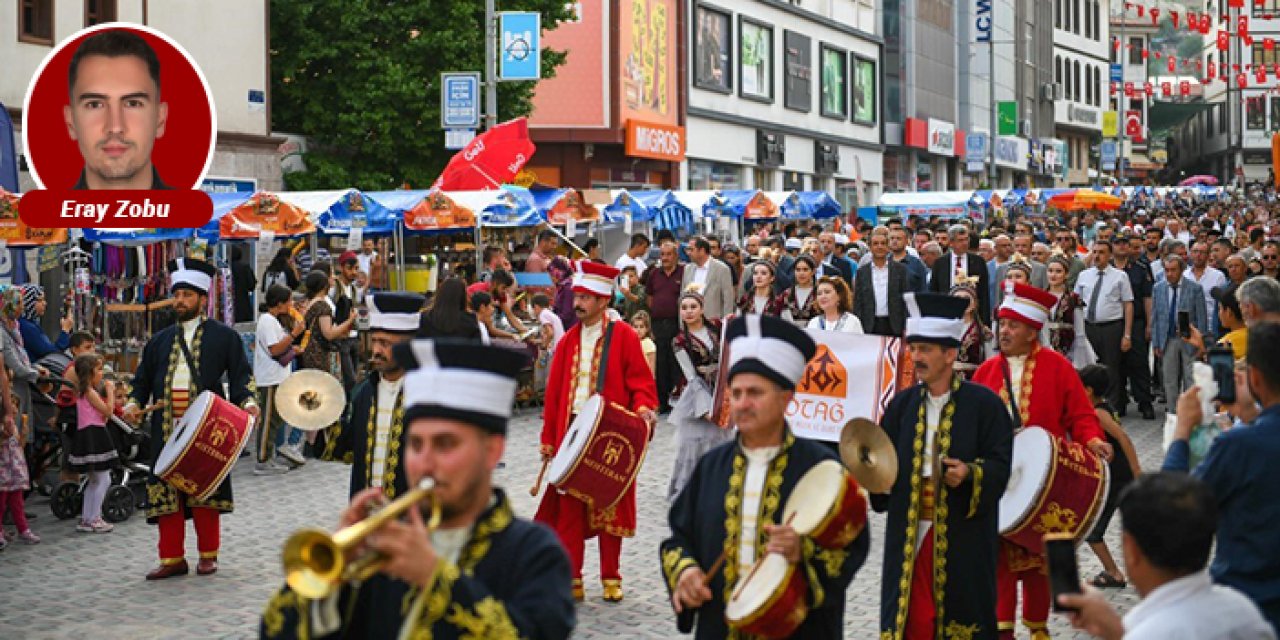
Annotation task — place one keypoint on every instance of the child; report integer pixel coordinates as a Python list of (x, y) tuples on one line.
[(92, 451), (549, 333), (642, 324), (13, 478), (1124, 469)]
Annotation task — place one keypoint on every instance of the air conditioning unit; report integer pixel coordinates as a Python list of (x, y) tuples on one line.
[(1024, 129), (1051, 91)]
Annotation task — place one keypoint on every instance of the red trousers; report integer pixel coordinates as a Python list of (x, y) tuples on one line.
[(173, 531), (571, 527), (921, 612), (1035, 594)]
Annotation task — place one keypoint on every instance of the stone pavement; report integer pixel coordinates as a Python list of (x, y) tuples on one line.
[(77, 585)]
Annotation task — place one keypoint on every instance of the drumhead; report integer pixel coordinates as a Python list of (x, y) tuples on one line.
[(814, 496), (183, 432), (749, 597), (576, 439), (1033, 459)]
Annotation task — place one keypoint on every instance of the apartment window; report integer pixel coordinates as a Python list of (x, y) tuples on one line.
[(1075, 17), (1255, 113), (1057, 14), (1088, 20), (1057, 69), (35, 20), (99, 11), (1066, 15), (1097, 87), (1135, 51), (1088, 84), (834, 87), (1275, 114), (1263, 57), (1076, 79)]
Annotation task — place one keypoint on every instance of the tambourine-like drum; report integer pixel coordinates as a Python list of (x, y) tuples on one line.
[(601, 453), (1054, 487), (769, 601), (827, 506), (204, 445)]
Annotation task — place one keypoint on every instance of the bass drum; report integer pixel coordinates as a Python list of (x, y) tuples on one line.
[(601, 453), (770, 600), (204, 445), (1054, 487)]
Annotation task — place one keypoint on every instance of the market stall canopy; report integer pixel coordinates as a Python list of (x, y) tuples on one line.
[(821, 205), (622, 202), (559, 205), (1084, 199), (16, 233), (750, 204), (284, 214), (490, 160), (788, 204), (506, 207), (944, 204), (434, 211), (338, 212), (223, 203)]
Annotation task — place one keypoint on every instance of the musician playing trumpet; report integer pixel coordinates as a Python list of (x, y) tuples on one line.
[(482, 573)]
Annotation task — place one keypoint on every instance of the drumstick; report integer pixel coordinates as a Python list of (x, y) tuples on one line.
[(756, 566), (537, 484), (715, 568)]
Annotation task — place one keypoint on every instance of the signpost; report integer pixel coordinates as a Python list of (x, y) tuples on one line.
[(459, 108)]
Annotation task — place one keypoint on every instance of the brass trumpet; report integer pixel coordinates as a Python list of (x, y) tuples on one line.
[(316, 563)]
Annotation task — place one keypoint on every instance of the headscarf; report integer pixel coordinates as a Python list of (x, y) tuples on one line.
[(31, 294), (10, 302)]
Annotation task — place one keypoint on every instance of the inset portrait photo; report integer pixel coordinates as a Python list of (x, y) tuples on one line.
[(119, 106)]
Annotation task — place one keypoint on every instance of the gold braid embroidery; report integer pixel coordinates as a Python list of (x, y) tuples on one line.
[(770, 500), (940, 510), (1024, 387), (392, 459)]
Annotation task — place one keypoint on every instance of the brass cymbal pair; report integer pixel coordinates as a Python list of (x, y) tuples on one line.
[(867, 452)]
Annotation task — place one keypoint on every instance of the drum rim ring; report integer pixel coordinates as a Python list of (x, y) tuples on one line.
[(771, 601), (226, 470)]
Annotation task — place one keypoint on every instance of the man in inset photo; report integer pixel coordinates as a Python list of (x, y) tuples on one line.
[(115, 113)]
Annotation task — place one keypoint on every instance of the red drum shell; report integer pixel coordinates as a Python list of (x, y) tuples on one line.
[(601, 454), (1069, 490), (783, 608), (204, 445)]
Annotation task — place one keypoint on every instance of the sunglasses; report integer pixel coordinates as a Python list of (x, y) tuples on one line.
[(1269, 257)]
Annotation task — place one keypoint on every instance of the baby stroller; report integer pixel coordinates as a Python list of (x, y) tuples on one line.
[(45, 448), (127, 491)]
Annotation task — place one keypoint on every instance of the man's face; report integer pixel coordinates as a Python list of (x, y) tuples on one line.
[(1040, 252), (1004, 247), (1219, 253), (588, 307), (1066, 241), (667, 256), (1153, 240), (933, 362), (897, 240), (380, 345), (753, 245), (879, 246), (987, 250), (367, 247), (350, 270), (1016, 337), (715, 248), (1236, 269), (921, 239), (187, 304), (115, 116), (696, 254), (458, 456), (1199, 255), (1104, 233), (85, 347), (960, 242), (1101, 255), (1270, 258), (828, 243), (1122, 249), (756, 403), (1022, 244), (1173, 272)]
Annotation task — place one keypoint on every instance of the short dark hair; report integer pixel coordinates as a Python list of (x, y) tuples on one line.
[(277, 294), (1105, 243), (480, 299), (1172, 517), (79, 338), (490, 252), (640, 240), (502, 277), (1226, 243), (590, 244), (701, 243), (1264, 344), (541, 300), (1095, 379), (114, 43), (1256, 234), (546, 234)]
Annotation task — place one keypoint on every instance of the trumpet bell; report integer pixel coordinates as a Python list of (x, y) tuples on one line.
[(312, 563), (310, 399)]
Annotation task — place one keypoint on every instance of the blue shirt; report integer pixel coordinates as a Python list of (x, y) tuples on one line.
[(37, 343), (1242, 472)]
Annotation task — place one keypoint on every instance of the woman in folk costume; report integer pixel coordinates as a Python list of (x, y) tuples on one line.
[(697, 349), (1064, 332), (800, 301), (178, 363), (973, 346), (597, 356), (759, 298)]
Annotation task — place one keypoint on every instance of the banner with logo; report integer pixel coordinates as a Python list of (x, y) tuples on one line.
[(850, 376)]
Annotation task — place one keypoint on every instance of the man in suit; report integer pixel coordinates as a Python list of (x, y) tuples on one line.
[(878, 289), (1171, 296), (713, 278), (962, 260), (917, 272), (829, 263)]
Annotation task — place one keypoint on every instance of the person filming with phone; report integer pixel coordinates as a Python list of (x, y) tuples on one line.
[(1168, 522)]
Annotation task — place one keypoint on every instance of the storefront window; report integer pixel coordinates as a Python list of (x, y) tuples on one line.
[(713, 48), (763, 179), (792, 181), (756, 56), (1255, 113), (706, 175), (847, 195)]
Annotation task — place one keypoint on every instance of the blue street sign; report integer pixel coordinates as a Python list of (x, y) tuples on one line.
[(1117, 73), (8, 153), (229, 185), (519, 39), (1108, 152), (459, 100)]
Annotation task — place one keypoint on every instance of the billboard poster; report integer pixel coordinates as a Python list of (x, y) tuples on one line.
[(647, 50)]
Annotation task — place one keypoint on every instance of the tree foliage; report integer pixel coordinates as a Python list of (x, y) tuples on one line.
[(361, 79)]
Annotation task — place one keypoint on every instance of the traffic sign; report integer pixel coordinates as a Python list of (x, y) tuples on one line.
[(1108, 153), (519, 39), (1117, 73), (459, 100)]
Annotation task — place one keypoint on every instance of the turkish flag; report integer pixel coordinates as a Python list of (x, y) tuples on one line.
[(1173, 15), (1155, 14), (1113, 88), (1235, 4), (1128, 89), (1275, 70), (1141, 11), (1213, 71), (1173, 62), (1133, 125), (1260, 74), (1224, 40), (1268, 44), (1148, 89), (1184, 88), (1146, 53), (1206, 24), (1242, 26), (1166, 88), (1242, 80)]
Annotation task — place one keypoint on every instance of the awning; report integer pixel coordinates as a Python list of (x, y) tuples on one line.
[(1166, 115), (928, 203)]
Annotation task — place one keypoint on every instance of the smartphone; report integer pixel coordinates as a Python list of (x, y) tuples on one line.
[(1184, 324), (1223, 362), (1064, 573)]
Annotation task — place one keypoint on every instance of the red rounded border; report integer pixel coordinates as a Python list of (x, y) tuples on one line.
[(182, 155)]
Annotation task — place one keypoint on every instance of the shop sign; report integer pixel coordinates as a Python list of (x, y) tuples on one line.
[(1011, 152), (942, 138), (655, 140)]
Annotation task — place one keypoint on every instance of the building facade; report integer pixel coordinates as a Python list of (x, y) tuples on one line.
[(239, 76), (1129, 97), (1247, 109), (1081, 76)]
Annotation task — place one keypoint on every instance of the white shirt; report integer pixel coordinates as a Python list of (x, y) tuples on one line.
[(625, 260), (848, 323), (1193, 608), (266, 371), (700, 274), (932, 418), (387, 392), (1209, 280), (586, 353), (365, 262), (880, 282), (758, 461), (1116, 291), (182, 373), (557, 326), (1016, 365), (803, 294)]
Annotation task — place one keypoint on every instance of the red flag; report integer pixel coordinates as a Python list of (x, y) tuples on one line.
[(1148, 89), (1258, 2), (1172, 64), (1213, 71), (1275, 70), (1166, 88), (1141, 11), (1206, 23), (1199, 65), (1155, 14), (1224, 40), (1184, 88), (1128, 89), (1235, 4), (1242, 26), (1113, 88), (1268, 43), (1242, 80), (1173, 15), (1158, 54), (1260, 74)]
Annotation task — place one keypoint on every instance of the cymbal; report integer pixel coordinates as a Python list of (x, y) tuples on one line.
[(310, 399), (867, 452)]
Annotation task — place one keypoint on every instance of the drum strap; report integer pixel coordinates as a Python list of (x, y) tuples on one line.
[(604, 358), (1008, 389), (191, 362)]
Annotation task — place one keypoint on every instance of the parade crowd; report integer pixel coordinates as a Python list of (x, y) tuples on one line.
[(1064, 321)]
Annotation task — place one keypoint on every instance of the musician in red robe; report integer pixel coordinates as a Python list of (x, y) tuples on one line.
[(594, 345), (1046, 392)]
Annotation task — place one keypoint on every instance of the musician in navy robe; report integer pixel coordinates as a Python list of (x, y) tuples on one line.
[(483, 573), (954, 444), (734, 500), (165, 376)]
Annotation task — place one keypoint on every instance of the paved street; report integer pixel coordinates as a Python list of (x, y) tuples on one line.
[(80, 585)]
